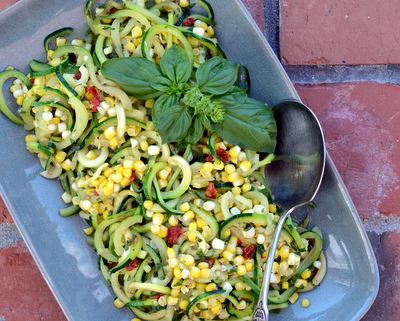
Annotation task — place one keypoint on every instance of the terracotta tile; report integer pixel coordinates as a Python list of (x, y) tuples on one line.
[(360, 123), (339, 32), (5, 216), (387, 304), (21, 282), (255, 8), (4, 4)]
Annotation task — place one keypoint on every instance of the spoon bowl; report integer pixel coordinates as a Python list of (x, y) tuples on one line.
[(294, 176)]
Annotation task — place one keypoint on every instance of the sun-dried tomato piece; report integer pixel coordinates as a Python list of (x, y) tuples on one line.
[(211, 191), (173, 234), (248, 252)]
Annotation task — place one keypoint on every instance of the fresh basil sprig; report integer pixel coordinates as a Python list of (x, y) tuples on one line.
[(188, 99)]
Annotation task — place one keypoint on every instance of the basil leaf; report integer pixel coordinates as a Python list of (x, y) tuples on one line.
[(194, 134), (174, 123), (134, 75), (160, 105), (175, 65), (216, 76), (161, 83), (247, 122)]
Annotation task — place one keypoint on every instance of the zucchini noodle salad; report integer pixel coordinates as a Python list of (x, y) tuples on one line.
[(161, 152)]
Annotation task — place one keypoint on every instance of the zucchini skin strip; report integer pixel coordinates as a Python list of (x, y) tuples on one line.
[(4, 76)]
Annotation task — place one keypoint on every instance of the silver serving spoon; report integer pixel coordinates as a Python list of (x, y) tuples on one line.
[(294, 176)]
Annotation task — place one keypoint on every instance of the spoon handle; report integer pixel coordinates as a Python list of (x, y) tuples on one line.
[(261, 312)]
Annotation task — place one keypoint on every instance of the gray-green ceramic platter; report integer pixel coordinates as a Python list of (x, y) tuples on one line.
[(58, 245)]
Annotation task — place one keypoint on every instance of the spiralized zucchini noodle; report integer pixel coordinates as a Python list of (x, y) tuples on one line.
[(180, 235)]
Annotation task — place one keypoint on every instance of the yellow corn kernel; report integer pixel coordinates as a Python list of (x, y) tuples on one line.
[(144, 145), (66, 165), (300, 283), (236, 190), (191, 236), (205, 273), (195, 272), (108, 172), (61, 41), (163, 231), (305, 303), (205, 173), (231, 247), (130, 47), (245, 165), (203, 265), (284, 251), (238, 260), (118, 303), (60, 156), (139, 166), (211, 287), (306, 274), (106, 21), (183, 304), (241, 270), (184, 207), (285, 285), (171, 252), (234, 152), (178, 273), (294, 297), (184, 3), (127, 172), (233, 177), (246, 187), (188, 216), (110, 101), (275, 267), (228, 255), (272, 208), (210, 31), (200, 223), (239, 286), (158, 218), (89, 230), (91, 155), (188, 260), (215, 309), (249, 266), (155, 229), (113, 142), (173, 221), (30, 138), (208, 166), (40, 81), (175, 292), (148, 205), (20, 100), (200, 286), (149, 103), (56, 120), (173, 263), (224, 177), (137, 32), (227, 233), (200, 24), (110, 132), (192, 226), (230, 169)]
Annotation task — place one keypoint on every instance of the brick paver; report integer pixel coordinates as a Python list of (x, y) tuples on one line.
[(361, 122), (351, 32)]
